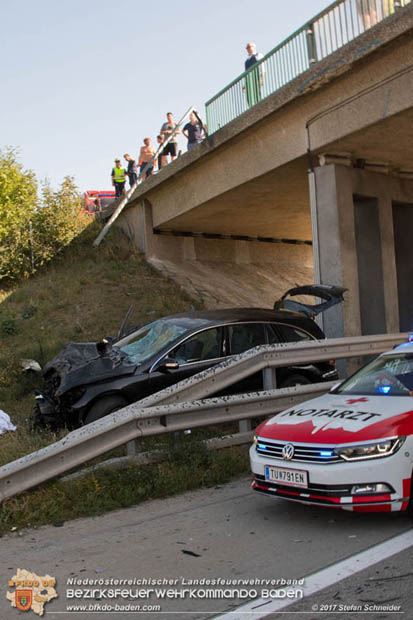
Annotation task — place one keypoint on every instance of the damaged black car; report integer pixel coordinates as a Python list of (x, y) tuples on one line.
[(87, 381)]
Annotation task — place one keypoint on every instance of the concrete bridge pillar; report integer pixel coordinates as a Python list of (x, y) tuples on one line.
[(362, 232)]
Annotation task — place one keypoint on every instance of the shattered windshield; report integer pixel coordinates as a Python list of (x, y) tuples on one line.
[(387, 375), (150, 339)]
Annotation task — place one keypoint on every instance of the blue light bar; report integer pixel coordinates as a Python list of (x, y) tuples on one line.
[(326, 453), (384, 389), (261, 446)]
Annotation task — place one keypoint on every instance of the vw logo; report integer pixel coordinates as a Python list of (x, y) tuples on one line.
[(288, 452)]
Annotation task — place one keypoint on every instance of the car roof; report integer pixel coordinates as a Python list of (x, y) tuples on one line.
[(203, 318)]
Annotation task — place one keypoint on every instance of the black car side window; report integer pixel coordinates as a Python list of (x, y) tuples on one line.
[(292, 334), (204, 346), (245, 336), (273, 336)]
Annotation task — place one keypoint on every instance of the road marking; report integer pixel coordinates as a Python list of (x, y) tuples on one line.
[(261, 608)]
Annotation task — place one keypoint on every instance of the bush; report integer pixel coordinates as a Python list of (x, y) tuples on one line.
[(33, 230)]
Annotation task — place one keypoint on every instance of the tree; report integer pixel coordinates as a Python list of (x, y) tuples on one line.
[(18, 203), (58, 220), (32, 231)]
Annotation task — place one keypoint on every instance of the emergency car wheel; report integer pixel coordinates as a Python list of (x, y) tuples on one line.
[(103, 407), (295, 380)]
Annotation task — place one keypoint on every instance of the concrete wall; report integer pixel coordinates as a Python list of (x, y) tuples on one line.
[(356, 246), (221, 272)]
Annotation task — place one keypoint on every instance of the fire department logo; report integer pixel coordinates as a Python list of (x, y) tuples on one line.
[(31, 591), (24, 599)]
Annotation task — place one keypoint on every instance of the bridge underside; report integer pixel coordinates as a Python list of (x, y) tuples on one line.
[(277, 204)]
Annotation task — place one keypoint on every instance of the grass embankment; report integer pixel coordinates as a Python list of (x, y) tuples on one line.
[(84, 295)]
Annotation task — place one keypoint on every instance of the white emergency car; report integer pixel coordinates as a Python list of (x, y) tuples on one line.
[(351, 448)]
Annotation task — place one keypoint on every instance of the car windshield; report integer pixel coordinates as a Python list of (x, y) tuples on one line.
[(387, 375), (147, 341)]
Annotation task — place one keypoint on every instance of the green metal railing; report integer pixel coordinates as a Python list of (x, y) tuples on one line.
[(340, 23)]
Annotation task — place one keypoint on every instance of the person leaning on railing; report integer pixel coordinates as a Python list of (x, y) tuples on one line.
[(255, 78)]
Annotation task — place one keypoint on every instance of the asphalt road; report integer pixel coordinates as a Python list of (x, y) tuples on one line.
[(226, 533)]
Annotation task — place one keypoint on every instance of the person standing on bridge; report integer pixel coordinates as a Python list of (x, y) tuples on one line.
[(145, 156), (193, 131), (172, 147), (118, 178), (132, 170), (254, 78)]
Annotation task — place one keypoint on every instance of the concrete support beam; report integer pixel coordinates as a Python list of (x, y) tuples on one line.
[(355, 246)]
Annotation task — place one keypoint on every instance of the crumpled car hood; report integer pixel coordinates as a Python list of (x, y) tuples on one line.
[(81, 363)]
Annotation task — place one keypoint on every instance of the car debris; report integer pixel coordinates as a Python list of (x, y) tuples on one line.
[(5, 423), (30, 365)]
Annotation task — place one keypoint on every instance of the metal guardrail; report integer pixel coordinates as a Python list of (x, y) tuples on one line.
[(327, 32), (165, 412)]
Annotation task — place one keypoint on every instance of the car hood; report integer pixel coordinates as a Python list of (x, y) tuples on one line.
[(340, 419), (87, 362)]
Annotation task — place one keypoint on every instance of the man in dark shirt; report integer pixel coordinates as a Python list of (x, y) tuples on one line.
[(193, 131), (254, 78), (132, 170)]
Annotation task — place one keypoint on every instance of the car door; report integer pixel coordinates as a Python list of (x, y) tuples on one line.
[(241, 338), (194, 354), (290, 333)]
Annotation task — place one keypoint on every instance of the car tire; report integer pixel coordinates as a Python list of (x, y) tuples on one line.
[(294, 380), (103, 407)]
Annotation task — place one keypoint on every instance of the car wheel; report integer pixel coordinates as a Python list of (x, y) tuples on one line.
[(294, 380), (103, 407)]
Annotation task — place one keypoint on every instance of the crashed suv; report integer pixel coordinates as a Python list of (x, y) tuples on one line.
[(87, 381)]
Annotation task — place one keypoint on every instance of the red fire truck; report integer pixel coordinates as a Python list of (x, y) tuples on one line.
[(95, 201)]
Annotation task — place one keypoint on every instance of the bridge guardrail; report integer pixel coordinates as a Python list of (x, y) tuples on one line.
[(327, 32), (169, 410)]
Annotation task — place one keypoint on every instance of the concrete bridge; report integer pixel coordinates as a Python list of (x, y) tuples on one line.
[(313, 182)]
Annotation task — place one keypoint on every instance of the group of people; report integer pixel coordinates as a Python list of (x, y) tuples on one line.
[(193, 131)]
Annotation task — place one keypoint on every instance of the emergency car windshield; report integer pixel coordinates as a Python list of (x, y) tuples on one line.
[(387, 375)]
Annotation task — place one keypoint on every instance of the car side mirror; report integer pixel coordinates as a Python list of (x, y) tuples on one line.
[(167, 364)]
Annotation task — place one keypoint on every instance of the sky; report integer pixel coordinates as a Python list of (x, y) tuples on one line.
[(84, 81)]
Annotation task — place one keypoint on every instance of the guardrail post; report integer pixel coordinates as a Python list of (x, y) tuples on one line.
[(269, 382), (132, 448), (269, 379), (244, 426), (311, 46)]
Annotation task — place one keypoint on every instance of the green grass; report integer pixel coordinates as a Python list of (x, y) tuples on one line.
[(84, 295), (189, 466)]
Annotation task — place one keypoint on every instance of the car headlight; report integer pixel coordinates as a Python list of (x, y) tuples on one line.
[(255, 441), (371, 450)]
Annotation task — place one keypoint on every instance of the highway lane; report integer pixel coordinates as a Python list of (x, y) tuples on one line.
[(226, 532)]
